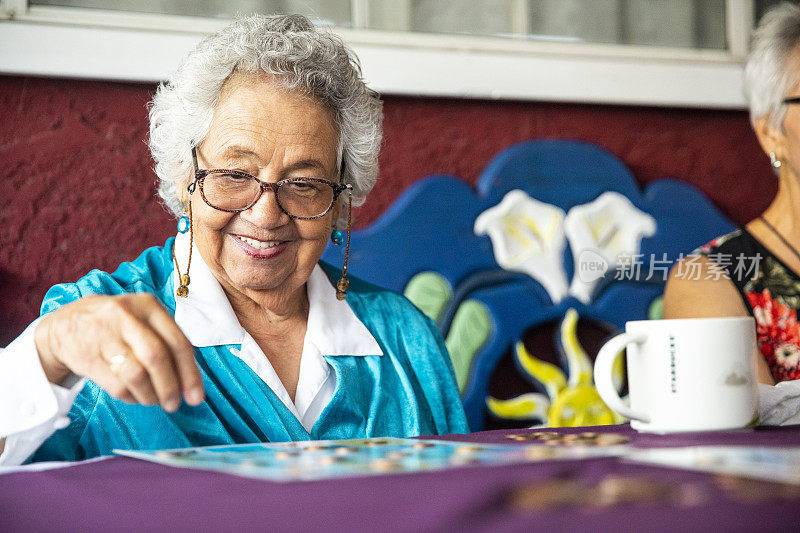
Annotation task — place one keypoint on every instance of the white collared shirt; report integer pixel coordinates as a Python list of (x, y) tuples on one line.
[(207, 319), (32, 409)]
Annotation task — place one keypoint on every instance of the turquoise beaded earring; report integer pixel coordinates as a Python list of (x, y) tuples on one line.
[(337, 237), (344, 283), (184, 225), (183, 221)]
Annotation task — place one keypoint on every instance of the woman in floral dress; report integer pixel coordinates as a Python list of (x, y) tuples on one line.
[(755, 269)]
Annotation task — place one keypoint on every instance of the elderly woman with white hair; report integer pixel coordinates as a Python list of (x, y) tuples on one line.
[(755, 270), (234, 331)]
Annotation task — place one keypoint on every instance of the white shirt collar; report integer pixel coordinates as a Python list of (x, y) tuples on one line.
[(207, 319)]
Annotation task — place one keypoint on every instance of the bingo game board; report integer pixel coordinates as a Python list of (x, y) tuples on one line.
[(294, 461)]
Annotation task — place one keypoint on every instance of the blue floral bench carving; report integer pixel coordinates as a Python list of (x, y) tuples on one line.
[(557, 240)]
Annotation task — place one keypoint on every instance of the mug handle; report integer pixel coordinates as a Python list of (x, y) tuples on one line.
[(603, 372)]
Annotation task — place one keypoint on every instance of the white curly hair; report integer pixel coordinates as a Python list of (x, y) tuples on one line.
[(301, 57), (771, 69)]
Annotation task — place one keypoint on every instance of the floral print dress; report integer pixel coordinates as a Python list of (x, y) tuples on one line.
[(771, 293)]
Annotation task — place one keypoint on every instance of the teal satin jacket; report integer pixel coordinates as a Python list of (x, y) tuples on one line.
[(408, 391)]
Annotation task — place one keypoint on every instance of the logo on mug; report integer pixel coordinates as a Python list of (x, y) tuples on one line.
[(673, 380)]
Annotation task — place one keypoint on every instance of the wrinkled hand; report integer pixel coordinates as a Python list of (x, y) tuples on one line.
[(128, 344)]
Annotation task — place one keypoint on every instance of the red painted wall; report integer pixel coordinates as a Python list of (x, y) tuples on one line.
[(77, 186)]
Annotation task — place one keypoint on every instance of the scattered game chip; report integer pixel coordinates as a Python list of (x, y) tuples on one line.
[(468, 449), (610, 492), (384, 465), (315, 447), (344, 450), (545, 495), (539, 452), (752, 491), (376, 442), (175, 453), (285, 455), (611, 439), (616, 490), (587, 438), (421, 445)]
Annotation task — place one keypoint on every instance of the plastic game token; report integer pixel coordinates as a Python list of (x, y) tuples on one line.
[(538, 452), (421, 445), (344, 450), (753, 491), (586, 438), (468, 449), (384, 465), (546, 495), (376, 442), (285, 455), (611, 439), (518, 436), (315, 447), (615, 490)]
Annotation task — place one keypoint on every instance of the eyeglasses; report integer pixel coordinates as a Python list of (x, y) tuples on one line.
[(235, 190), (793, 100)]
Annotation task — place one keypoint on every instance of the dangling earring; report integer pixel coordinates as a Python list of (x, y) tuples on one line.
[(337, 237), (774, 161), (184, 225), (341, 286)]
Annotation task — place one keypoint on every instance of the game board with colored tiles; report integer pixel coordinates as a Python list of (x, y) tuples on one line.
[(288, 461)]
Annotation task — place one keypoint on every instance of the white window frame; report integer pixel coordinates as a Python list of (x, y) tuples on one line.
[(115, 45)]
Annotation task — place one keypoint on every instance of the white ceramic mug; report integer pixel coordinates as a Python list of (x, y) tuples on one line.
[(691, 374)]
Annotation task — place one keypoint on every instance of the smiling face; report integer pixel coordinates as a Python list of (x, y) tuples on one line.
[(274, 135)]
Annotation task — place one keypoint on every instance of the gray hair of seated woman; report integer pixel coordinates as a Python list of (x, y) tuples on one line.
[(301, 58), (771, 69)]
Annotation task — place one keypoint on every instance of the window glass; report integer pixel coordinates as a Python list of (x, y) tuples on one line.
[(328, 12), (670, 23), (476, 17), (673, 23)]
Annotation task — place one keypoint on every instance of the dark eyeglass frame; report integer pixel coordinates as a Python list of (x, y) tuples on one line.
[(200, 175), (792, 100)]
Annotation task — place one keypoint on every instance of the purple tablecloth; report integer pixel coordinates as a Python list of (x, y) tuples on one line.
[(122, 494)]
